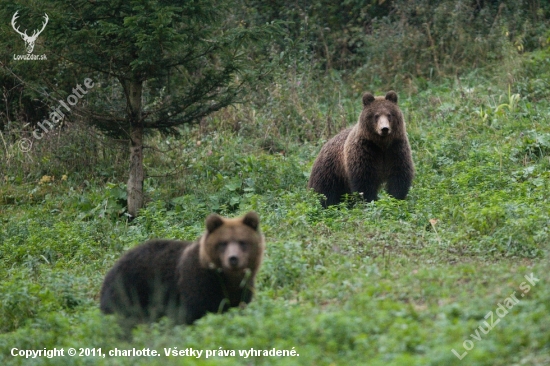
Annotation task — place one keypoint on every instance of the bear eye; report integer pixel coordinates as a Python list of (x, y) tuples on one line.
[(243, 245), (222, 245), (376, 115)]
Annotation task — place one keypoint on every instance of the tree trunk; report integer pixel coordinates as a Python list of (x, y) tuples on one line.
[(136, 175)]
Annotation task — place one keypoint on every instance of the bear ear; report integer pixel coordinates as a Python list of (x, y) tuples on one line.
[(213, 222), (368, 98), (252, 220), (392, 96)]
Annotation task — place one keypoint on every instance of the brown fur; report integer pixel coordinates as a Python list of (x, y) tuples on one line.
[(185, 280), (361, 158)]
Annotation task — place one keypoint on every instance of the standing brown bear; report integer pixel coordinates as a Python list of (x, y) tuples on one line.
[(361, 158), (185, 280)]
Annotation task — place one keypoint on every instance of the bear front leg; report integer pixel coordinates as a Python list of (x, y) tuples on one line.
[(398, 185), (366, 182), (400, 180), (334, 192), (367, 186)]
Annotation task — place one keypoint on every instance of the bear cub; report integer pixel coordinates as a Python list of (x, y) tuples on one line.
[(361, 158), (185, 280)]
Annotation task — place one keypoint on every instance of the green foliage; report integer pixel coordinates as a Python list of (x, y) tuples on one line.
[(385, 283), (76, 151), (188, 59), (396, 282), (394, 42)]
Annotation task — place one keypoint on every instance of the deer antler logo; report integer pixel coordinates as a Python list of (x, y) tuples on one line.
[(29, 40)]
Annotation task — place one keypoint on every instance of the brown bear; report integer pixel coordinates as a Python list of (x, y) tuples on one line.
[(361, 158), (185, 280)]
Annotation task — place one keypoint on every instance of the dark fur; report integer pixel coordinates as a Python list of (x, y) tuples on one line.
[(362, 158), (185, 280)]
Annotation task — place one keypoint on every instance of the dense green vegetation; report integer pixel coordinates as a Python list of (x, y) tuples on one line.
[(385, 283)]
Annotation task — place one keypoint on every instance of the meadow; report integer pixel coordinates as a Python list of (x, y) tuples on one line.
[(431, 280)]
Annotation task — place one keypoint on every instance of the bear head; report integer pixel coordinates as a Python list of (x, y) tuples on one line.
[(234, 246), (381, 118)]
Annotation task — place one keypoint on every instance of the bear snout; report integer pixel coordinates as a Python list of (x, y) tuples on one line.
[(384, 128), (233, 258), (234, 261)]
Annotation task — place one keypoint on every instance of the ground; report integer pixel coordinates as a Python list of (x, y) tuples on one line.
[(385, 283)]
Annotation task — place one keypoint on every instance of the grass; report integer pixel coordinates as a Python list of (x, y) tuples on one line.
[(385, 283)]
